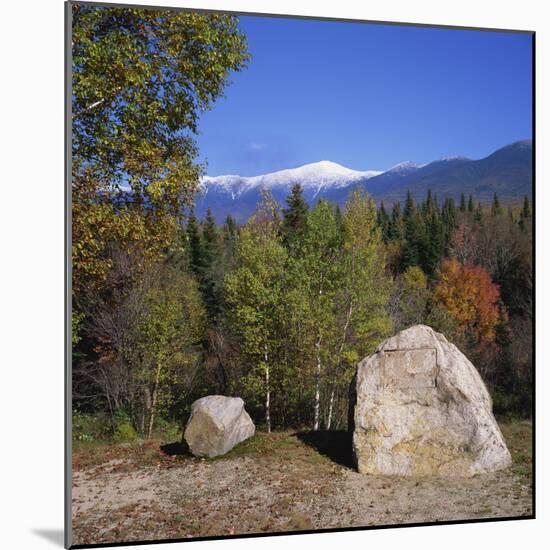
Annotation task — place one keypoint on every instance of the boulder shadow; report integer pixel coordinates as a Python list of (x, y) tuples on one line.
[(336, 445), (178, 448)]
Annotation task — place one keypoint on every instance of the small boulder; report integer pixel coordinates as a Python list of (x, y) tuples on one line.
[(421, 408), (217, 423)]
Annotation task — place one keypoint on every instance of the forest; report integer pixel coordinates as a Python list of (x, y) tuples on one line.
[(280, 310), (168, 308)]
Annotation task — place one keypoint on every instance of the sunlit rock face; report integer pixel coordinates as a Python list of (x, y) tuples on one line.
[(217, 423), (420, 408)]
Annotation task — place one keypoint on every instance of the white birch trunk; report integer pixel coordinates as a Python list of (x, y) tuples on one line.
[(267, 393), (330, 407), (317, 386), (318, 377), (153, 408), (342, 343)]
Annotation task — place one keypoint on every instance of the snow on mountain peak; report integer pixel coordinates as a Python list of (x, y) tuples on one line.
[(458, 157), (314, 176), (406, 166)]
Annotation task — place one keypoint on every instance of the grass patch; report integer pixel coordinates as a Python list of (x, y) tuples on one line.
[(275, 447), (90, 446), (263, 444), (131, 455), (281, 448), (88, 454), (97, 430), (312, 449), (518, 437)]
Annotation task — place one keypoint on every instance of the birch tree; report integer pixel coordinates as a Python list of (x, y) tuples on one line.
[(253, 293), (141, 78), (320, 271), (148, 344), (362, 293), (172, 324)]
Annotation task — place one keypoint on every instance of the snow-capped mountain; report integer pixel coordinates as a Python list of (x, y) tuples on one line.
[(508, 171), (314, 177), (404, 168)]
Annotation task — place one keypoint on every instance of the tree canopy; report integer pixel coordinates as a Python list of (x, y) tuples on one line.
[(141, 79)]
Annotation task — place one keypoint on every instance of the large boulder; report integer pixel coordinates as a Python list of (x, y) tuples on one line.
[(217, 423), (421, 408)]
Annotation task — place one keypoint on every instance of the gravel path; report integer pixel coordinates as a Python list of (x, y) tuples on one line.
[(288, 485)]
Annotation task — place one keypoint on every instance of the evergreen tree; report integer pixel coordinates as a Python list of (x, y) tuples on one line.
[(294, 218), (383, 221), (496, 209), (210, 237), (413, 242), (338, 219), (478, 215), (230, 228), (449, 219), (230, 234), (470, 204), (525, 215), (430, 205), (195, 245), (210, 279), (395, 228), (434, 244), (409, 209), (462, 207), (526, 210), (414, 234)]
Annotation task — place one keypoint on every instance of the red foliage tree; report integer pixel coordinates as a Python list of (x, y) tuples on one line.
[(471, 298)]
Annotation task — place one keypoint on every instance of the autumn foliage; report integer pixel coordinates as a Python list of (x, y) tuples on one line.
[(471, 298), (167, 308)]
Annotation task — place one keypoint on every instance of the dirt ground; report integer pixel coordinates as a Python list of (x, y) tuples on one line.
[(277, 482)]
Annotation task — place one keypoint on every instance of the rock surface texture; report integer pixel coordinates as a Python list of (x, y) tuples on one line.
[(217, 423), (420, 408)]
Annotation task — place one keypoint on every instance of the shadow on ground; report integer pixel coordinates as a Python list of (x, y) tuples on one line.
[(334, 444), (52, 535), (179, 448)]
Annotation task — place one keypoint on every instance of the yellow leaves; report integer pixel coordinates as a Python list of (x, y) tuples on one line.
[(350, 357), (414, 279), (147, 80), (76, 322), (96, 224), (359, 220)]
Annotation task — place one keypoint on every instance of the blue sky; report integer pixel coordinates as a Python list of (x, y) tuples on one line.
[(367, 96)]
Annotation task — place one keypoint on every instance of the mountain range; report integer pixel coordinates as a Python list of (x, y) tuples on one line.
[(507, 171)]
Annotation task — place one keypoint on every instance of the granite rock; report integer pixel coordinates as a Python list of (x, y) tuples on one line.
[(217, 423), (420, 408)]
